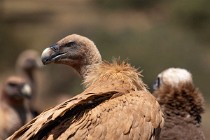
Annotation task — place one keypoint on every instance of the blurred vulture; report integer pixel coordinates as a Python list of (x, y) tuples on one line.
[(27, 64), (181, 103), (114, 105), (13, 111)]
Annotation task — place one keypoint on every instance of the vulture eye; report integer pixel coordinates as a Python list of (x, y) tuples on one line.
[(157, 84), (12, 84), (70, 44)]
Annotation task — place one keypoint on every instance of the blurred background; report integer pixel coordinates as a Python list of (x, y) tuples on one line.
[(152, 35)]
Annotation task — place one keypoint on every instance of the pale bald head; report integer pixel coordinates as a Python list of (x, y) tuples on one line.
[(73, 50), (173, 77)]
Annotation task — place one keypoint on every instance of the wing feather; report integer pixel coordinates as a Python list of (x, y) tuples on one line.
[(120, 120), (133, 115)]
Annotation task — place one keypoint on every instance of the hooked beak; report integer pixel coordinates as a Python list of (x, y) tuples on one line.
[(52, 54), (26, 91)]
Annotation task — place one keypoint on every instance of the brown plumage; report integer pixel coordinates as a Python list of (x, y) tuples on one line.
[(114, 105), (27, 65), (13, 111), (181, 103)]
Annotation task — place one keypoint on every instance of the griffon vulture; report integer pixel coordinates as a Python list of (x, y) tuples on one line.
[(114, 105), (182, 104), (13, 111), (27, 64)]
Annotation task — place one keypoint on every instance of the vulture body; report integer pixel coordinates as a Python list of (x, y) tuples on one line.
[(114, 105), (13, 111), (181, 103), (27, 65)]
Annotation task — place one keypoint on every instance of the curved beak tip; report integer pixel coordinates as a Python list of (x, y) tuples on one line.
[(46, 55), (26, 90)]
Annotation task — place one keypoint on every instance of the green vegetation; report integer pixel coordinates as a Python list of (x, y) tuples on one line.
[(153, 35)]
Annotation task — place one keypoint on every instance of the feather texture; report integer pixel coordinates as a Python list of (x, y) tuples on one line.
[(114, 105), (106, 109), (13, 111), (182, 105)]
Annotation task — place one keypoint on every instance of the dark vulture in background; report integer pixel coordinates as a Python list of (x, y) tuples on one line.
[(182, 104), (13, 111), (114, 105), (27, 64)]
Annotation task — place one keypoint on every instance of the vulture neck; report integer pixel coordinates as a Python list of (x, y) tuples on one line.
[(114, 76), (93, 61), (85, 70), (29, 74), (186, 101), (12, 102)]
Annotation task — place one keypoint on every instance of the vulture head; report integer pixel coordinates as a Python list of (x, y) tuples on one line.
[(175, 91), (173, 77), (28, 61), (15, 90), (74, 50)]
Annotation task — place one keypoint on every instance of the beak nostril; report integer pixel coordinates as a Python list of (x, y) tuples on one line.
[(54, 47)]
